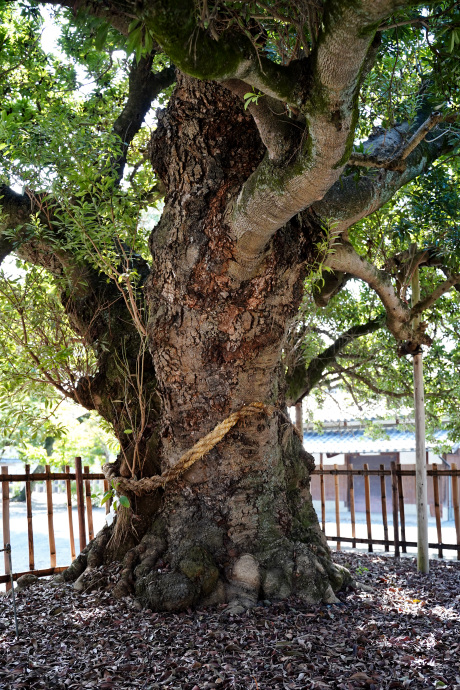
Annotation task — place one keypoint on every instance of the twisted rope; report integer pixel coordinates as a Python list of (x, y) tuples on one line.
[(199, 450)]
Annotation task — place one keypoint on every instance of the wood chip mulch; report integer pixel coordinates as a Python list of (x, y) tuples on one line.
[(405, 633)]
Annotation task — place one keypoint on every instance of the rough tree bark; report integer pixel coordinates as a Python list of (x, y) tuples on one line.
[(240, 524)]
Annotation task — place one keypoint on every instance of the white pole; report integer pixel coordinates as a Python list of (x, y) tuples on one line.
[(299, 417), (423, 563)]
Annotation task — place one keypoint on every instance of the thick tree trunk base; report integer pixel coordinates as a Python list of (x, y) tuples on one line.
[(164, 575), (235, 539)]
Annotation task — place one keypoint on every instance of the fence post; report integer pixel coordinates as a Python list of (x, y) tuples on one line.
[(109, 502), (402, 514), (6, 522), (437, 512), (49, 503), (367, 496), (69, 513), (80, 504), (89, 506), (337, 505), (323, 494), (352, 506), (384, 506), (455, 501), (30, 531), (394, 490)]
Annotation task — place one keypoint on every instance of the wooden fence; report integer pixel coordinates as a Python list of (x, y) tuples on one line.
[(395, 496), (83, 479), (391, 495)]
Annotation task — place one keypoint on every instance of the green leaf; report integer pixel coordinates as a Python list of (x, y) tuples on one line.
[(106, 497), (101, 36), (124, 501), (133, 25)]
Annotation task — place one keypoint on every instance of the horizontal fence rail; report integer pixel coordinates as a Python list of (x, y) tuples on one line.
[(385, 497), (445, 478), (82, 478)]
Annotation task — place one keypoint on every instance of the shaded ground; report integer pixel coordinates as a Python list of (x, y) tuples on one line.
[(405, 633)]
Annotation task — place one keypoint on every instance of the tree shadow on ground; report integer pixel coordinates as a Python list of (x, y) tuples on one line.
[(402, 631)]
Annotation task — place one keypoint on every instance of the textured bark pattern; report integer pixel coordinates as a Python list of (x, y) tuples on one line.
[(240, 524)]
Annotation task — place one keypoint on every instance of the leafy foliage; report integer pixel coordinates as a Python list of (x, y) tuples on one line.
[(425, 215)]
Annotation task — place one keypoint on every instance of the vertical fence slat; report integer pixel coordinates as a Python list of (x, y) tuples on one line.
[(367, 496), (89, 505), (49, 505), (69, 513), (352, 506), (383, 494), (456, 504), (437, 511), (402, 514), (80, 504), (109, 502), (30, 531), (6, 522), (323, 495), (394, 493), (337, 505)]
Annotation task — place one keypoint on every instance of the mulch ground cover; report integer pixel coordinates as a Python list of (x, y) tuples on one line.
[(401, 631)]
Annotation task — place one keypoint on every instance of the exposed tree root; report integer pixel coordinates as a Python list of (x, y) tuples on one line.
[(222, 541), (181, 575)]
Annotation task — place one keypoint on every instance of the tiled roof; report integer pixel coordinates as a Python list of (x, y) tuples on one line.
[(355, 441), (10, 461)]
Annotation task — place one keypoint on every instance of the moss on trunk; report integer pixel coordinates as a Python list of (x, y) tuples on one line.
[(239, 525)]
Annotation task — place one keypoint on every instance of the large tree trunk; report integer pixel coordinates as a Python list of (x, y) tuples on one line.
[(240, 524)]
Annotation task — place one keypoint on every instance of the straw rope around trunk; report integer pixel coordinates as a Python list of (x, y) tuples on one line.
[(199, 450)]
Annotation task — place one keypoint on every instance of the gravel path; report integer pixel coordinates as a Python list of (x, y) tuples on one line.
[(401, 631)]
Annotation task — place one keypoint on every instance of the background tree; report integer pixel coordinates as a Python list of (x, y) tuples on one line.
[(191, 332), (346, 344)]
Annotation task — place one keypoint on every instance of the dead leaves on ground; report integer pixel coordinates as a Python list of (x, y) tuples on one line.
[(403, 631)]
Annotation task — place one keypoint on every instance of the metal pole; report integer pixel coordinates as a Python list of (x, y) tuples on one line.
[(421, 497)]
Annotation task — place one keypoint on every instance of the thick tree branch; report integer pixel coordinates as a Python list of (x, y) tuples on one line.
[(348, 201), (441, 290), (194, 51), (398, 160), (301, 380), (407, 261), (448, 275), (279, 132), (231, 56), (273, 194), (399, 316), (344, 258), (85, 284), (144, 87), (118, 14), (331, 283), (15, 210)]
